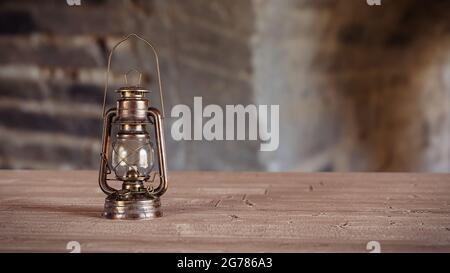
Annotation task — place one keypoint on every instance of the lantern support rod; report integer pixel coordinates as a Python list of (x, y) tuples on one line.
[(102, 178), (133, 35), (161, 189)]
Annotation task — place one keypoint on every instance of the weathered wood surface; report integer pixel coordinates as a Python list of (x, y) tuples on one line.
[(42, 211)]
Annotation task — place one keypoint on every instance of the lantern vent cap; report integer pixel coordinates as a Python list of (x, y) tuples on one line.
[(136, 89)]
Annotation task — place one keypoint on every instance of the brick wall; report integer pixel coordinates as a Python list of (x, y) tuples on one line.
[(359, 87), (52, 64)]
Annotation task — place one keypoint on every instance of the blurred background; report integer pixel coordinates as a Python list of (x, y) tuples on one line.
[(360, 88)]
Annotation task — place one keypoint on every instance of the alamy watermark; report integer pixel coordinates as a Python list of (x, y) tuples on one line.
[(227, 124), (373, 247), (73, 2), (74, 247), (373, 2), (78, 2)]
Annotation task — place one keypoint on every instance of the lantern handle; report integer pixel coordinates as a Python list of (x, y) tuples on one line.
[(157, 70)]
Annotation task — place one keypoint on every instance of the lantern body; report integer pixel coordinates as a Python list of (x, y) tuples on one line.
[(131, 153)]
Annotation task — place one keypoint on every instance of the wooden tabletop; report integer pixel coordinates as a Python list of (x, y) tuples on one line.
[(41, 211)]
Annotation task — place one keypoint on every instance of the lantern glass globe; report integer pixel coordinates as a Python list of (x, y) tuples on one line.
[(132, 158)]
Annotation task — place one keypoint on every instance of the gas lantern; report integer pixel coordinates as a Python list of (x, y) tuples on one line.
[(132, 136)]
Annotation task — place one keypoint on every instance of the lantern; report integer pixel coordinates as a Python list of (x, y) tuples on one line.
[(132, 145)]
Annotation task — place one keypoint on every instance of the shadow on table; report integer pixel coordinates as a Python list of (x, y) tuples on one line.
[(94, 210)]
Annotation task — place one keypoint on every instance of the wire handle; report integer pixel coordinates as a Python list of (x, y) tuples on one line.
[(157, 70)]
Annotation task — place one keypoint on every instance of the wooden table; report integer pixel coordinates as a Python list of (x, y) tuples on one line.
[(42, 211)]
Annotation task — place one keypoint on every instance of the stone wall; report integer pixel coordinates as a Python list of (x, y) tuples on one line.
[(359, 87)]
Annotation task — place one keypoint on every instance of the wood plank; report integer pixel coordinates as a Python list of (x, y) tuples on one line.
[(41, 211)]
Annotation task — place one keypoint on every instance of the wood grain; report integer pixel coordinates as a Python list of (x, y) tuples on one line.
[(41, 211)]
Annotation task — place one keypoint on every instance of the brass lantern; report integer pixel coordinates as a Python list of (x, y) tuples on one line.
[(128, 150)]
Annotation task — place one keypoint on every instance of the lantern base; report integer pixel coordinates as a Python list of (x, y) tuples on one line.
[(132, 206)]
